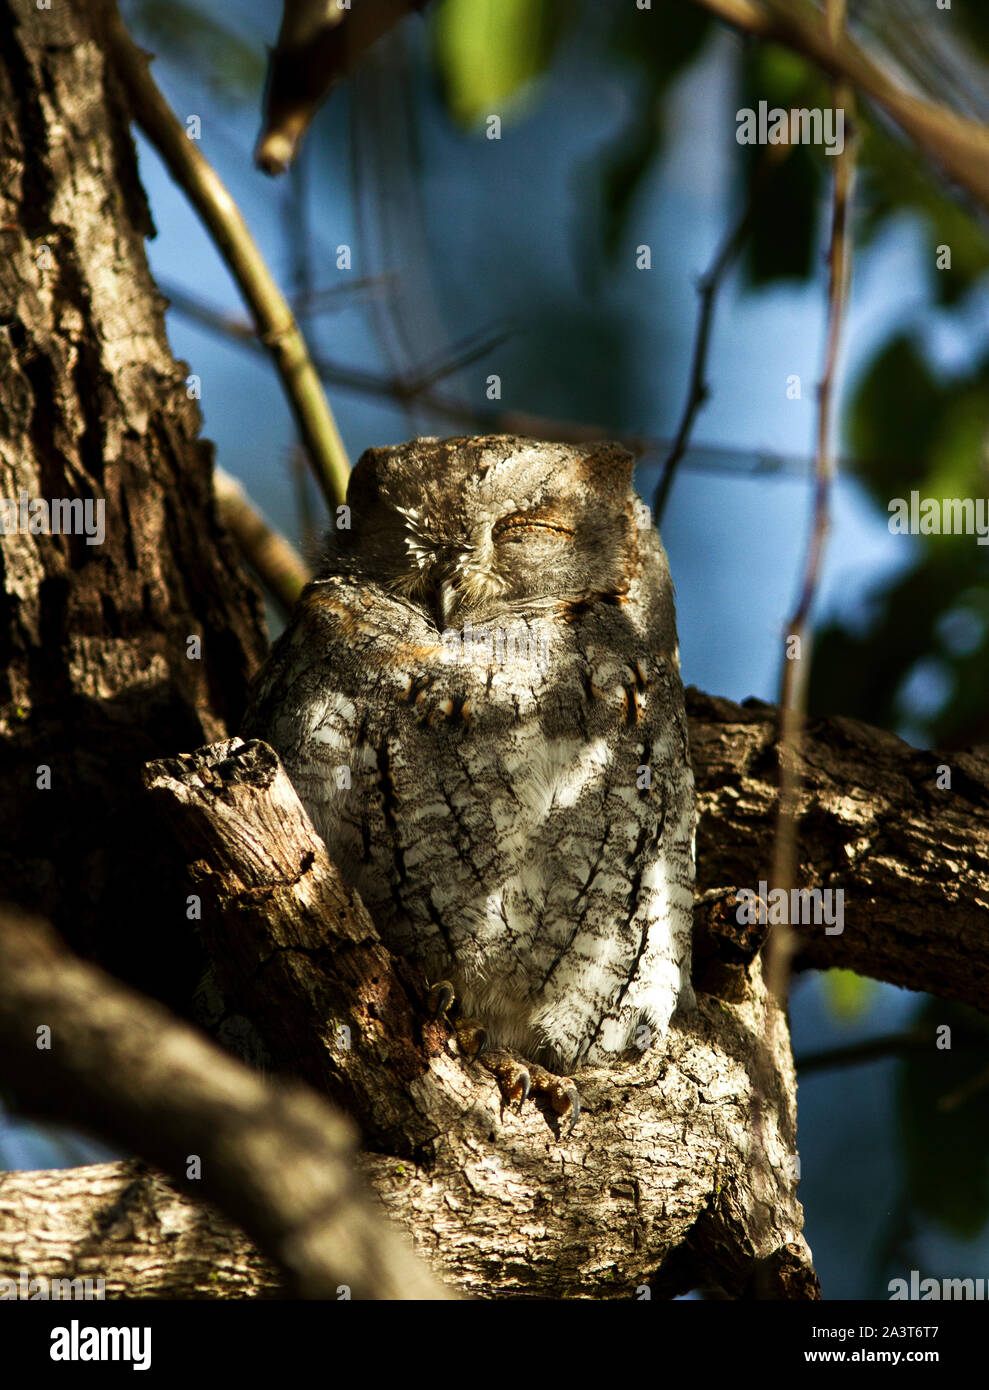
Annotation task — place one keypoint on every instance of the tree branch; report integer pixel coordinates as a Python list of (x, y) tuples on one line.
[(125, 1224), (911, 859), (959, 145), (77, 1046), (272, 558), (707, 291)]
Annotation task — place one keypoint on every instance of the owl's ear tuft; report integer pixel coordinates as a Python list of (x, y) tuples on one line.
[(607, 468), (362, 485)]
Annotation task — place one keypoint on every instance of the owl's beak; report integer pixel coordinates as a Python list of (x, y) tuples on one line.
[(446, 604)]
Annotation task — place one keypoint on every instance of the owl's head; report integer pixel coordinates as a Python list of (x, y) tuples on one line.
[(470, 527)]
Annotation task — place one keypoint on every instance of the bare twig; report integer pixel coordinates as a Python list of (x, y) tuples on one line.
[(277, 563), (477, 417), (300, 243), (277, 327), (890, 1045), (797, 635), (707, 289), (334, 298), (959, 145)]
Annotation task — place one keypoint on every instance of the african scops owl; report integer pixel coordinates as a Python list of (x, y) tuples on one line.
[(478, 701)]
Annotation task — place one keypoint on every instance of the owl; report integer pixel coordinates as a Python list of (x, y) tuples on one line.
[(478, 701)]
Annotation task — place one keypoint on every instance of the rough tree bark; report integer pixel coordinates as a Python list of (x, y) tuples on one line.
[(97, 670), (878, 820), (124, 1224)]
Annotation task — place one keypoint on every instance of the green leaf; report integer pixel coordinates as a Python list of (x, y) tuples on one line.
[(488, 52), (915, 623), (848, 995), (909, 427), (784, 221), (895, 419)]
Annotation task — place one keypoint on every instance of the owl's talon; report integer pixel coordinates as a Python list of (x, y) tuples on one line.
[(440, 997), (571, 1099), (512, 1076), (472, 1037), (525, 1081), (562, 1094)]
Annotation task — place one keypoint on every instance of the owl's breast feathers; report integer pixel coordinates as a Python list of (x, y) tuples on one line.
[(513, 802)]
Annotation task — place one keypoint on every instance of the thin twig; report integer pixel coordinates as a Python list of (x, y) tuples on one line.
[(479, 417), (797, 635), (781, 943), (707, 289), (277, 327), (891, 1045), (274, 560), (297, 234), (460, 356), (336, 298)]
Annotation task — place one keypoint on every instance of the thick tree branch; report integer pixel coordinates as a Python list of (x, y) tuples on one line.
[(77, 1046), (912, 859), (125, 1224)]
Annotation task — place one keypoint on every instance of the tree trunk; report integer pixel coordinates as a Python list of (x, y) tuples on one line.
[(100, 667)]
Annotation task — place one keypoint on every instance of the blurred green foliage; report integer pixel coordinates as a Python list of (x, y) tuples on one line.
[(653, 47), (913, 430), (487, 52), (848, 995), (893, 180)]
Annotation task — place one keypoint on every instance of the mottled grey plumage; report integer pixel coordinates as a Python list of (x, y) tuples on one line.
[(519, 816)]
